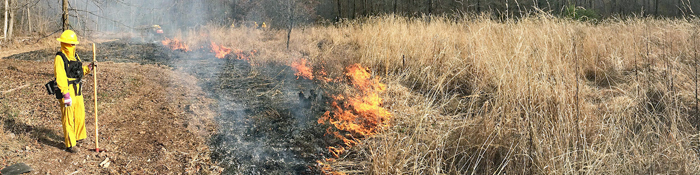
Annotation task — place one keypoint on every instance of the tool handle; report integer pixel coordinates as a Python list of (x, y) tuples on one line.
[(94, 76)]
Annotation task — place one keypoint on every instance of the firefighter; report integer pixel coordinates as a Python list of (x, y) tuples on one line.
[(69, 72), (155, 33), (156, 29)]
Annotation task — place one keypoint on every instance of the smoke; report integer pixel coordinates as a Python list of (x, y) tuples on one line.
[(178, 15)]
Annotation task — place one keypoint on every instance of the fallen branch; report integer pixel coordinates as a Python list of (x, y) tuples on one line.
[(105, 163), (8, 91)]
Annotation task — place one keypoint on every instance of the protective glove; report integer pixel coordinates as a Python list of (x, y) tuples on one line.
[(67, 100), (92, 65)]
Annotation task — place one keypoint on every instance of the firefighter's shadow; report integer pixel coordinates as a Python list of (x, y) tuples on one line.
[(44, 135)]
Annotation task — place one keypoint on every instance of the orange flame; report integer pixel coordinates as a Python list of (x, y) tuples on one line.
[(175, 44), (360, 114), (361, 79), (219, 50), (243, 55), (222, 51), (302, 70), (326, 169)]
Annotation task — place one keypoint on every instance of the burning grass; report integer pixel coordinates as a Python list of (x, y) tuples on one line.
[(359, 112), (175, 44), (540, 95), (302, 69), (220, 51)]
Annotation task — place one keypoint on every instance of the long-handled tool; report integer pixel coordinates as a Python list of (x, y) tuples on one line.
[(94, 76)]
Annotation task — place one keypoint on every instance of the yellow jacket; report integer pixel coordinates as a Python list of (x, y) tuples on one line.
[(60, 71)]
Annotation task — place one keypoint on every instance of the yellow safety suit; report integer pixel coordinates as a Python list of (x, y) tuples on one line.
[(72, 117)]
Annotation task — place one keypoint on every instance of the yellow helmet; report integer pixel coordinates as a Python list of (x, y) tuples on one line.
[(68, 37)]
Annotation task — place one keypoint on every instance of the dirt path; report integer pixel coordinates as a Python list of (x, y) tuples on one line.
[(142, 125), (9, 52)]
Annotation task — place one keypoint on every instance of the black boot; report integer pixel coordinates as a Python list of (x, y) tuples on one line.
[(71, 150)]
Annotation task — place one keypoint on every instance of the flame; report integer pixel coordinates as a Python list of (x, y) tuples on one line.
[(175, 44), (220, 51), (326, 169), (302, 70), (336, 151), (166, 42), (360, 114), (321, 73), (240, 54), (361, 79)]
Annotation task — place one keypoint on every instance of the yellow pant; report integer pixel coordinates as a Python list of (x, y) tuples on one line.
[(73, 118)]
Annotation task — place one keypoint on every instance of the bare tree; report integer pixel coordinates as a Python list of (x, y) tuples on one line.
[(12, 22), (340, 15), (29, 19), (7, 11), (65, 15), (290, 11), (353, 9), (656, 8)]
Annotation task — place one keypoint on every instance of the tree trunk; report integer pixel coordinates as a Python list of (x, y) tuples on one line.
[(65, 15), (12, 23), (656, 8), (430, 7), (365, 12), (23, 20), (478, 6), (29, 19), (353, 8), (340, 15), (85, 21), (7, 8), (79, 23), (291, 20), (394, 6)]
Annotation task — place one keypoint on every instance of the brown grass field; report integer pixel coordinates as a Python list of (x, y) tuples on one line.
[(537, 95)]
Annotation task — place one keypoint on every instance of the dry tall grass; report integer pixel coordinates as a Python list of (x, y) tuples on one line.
[(540, 95)]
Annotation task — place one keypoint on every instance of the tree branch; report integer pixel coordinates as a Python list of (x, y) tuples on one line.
[(102, 17)]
